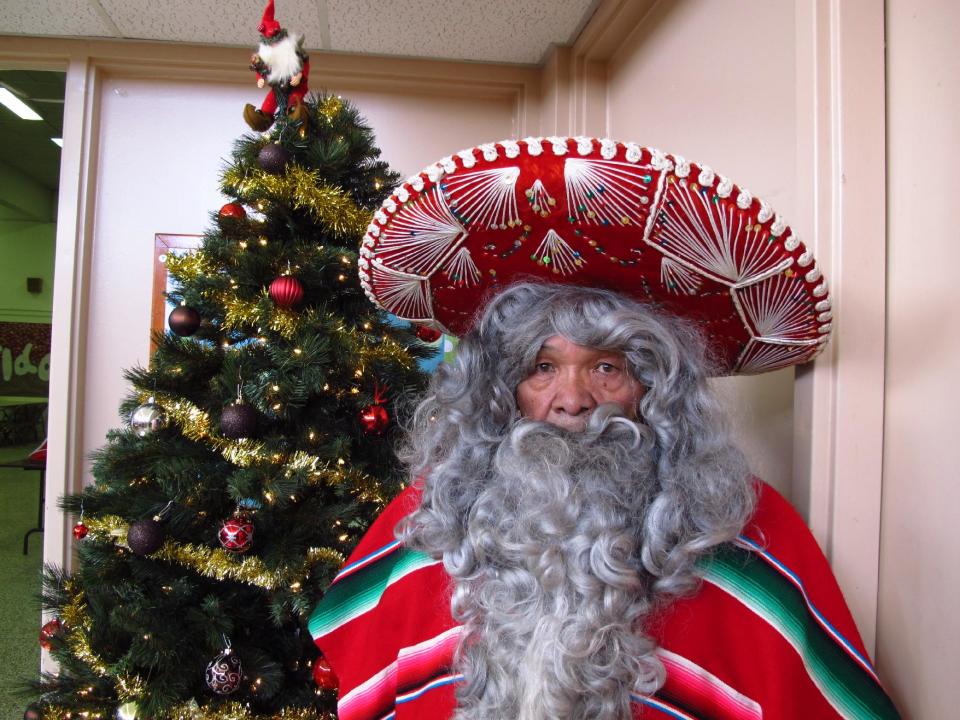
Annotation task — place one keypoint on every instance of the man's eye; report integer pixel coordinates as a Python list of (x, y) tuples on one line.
[(607, 368), (543, 367)]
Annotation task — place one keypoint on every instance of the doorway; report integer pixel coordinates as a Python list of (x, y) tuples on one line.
[(31, 124)]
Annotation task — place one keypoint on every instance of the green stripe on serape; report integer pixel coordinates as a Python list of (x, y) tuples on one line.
[(360, 592), (845, 684)]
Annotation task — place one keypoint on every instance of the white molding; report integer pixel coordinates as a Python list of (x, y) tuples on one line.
[(838, 409)]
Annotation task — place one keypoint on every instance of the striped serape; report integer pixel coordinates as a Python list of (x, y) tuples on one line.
[(768, 635)]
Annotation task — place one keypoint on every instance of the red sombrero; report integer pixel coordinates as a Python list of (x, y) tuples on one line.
[(604, 214)]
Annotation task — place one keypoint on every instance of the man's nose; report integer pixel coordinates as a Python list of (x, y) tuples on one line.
[(574, 396)]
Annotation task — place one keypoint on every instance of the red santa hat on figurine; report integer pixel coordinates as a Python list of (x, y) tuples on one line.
[(599, 213)]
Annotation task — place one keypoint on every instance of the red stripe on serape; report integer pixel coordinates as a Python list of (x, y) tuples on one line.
[(787, 538), (701, 692)]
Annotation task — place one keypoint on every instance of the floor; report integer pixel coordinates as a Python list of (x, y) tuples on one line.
[(19, 582)]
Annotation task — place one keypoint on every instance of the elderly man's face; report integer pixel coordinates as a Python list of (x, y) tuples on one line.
[(569, 381)]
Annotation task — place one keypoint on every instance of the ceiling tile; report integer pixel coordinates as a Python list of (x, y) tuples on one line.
[(210, 22), (518, 31), (52, 17)]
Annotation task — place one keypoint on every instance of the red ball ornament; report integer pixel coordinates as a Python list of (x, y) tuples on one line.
[(286, 291), (236, 535), (428, 334), (374, 418), (233, 210), (323, 674), (80, 531), (47, 632)]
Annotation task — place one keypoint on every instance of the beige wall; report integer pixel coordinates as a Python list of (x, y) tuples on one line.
[(918, 641), (688, 82)]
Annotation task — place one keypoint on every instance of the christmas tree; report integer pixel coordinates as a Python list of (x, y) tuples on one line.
[(258, 447)]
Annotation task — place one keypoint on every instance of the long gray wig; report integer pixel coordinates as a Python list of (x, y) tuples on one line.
[(561, 544)]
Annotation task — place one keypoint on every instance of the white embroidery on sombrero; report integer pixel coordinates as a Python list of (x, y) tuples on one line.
[(461, 269), (759, 356), (510, 148), (406, 296), (534, 146), (731, 249), (776, 308), (418, 239), (486, 199), (467, 158), (677, 278), (608, 149), (600, 191), (540, 200), (554, 253), (823, 305)]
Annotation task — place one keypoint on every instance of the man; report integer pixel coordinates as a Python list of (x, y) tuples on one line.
[(583, 540)]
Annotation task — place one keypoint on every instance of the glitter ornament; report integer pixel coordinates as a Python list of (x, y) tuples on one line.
[(428, 334), (286, 291), (80, 531), (233, 211), (273, 158), (148, 418), (49, 629), (236, 534), (145, 536), (225, 673), (184, 320), (238, 420), (323, 674)]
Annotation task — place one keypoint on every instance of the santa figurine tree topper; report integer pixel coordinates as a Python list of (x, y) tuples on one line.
[(281, 63)]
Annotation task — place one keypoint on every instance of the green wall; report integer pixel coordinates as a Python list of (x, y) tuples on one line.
[(26, 250)]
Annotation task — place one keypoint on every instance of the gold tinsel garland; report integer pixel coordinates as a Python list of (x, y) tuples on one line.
[(303, 188), (190, 266), (77, 626), (214, 563), (240, 313)]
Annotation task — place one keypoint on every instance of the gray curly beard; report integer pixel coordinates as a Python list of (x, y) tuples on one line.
[(548, 577)]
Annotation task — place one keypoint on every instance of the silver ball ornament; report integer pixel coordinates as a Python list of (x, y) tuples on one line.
[(148, 418), (127, 711)]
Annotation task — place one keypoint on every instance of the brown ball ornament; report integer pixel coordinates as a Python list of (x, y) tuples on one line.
[(374, 419), (48, 631), (238, 420), (273, 158), (184, 320), (428, 334), (233, 211), (225, 673), (236, 535), (286, 291), (323, 674), (145, 536)]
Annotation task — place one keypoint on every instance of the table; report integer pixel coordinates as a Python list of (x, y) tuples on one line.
[(28, 464), (22, 420)]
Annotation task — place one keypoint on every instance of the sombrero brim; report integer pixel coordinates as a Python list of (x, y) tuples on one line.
[(604, 214)]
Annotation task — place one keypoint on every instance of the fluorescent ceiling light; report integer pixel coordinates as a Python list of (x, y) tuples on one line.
[(17, 106), (58, 141)]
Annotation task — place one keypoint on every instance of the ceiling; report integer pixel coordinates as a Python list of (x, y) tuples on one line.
[(505, 31), (25, 145), (511, 31)]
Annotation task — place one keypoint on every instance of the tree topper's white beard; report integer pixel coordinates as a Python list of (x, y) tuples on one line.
[(281, 58)]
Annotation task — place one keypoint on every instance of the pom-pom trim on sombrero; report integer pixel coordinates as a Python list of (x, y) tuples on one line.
[(605, 214)]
